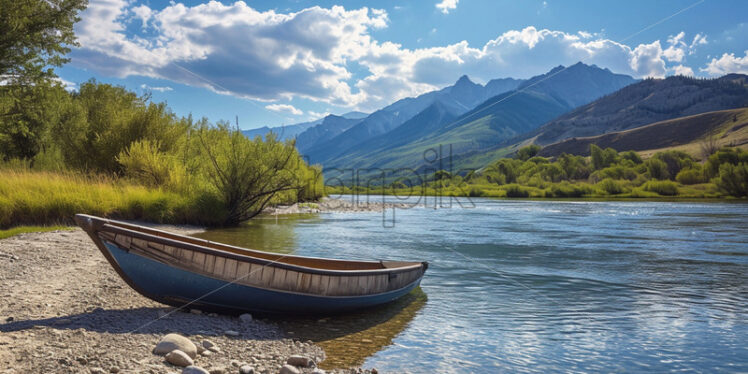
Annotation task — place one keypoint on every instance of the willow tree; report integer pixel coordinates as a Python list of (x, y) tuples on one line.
[(248, 174)]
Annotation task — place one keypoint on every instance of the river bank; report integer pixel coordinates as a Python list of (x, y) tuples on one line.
[(65, 310)]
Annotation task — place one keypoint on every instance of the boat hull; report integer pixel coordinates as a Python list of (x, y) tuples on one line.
[(194, 273), (178, 287)]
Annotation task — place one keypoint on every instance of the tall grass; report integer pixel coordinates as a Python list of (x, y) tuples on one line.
[(38, 197)]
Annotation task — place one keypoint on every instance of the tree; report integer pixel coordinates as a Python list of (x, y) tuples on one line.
[(528, 152), (34, 36), (602, 158), (248, 174)]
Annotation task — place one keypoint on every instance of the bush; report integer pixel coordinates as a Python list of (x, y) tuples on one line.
[(664, 188), (657, 169), (610, 186), (690, 176), (515, 190), (528, 152), (733, 179), (568, 190), (731, 156)]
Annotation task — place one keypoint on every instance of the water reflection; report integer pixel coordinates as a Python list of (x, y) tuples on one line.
[(348, 339), (265, 233)]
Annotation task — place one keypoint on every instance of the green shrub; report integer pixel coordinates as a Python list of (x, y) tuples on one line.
[(690, 176), (657, 169), (733, 179), (664, 188), (610, 186), (528, 152), (566, 189), (515, 190)]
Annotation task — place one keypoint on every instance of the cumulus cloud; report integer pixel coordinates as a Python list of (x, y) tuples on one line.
[(156, 88), (728, 63), (284, 108), (326, 55), (682, 70), (446, 5)]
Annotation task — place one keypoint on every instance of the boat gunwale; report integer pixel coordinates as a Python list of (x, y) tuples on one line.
[(116, 227)]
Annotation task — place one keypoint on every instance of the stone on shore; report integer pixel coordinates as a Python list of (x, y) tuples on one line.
[(179, 358), (246, 369), (209, 345), (288, 369), (302, 361), (246, 317), (171, 342), (194, 370)]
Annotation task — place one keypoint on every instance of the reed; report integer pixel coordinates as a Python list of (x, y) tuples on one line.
[(47, 198)]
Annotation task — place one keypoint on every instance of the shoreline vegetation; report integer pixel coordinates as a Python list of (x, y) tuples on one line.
[(606, 174), (29, 196)]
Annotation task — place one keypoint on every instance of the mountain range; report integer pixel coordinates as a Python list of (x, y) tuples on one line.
[(566, 109)]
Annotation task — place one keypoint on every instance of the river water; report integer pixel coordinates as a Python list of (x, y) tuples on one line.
[(535, 286)]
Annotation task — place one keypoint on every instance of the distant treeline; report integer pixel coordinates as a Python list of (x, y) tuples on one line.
[(107, 136), (605, 173)]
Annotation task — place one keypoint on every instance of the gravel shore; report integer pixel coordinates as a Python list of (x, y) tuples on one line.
[(65, 310), (326, 204)]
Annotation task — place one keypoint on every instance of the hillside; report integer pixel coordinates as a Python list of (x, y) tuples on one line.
[(499, 118), (283, 132), (726, 127), (330, 127), (292, 131), (646, 102), (456, 99)]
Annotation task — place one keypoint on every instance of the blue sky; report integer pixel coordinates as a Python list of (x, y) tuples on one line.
[(283, 62)]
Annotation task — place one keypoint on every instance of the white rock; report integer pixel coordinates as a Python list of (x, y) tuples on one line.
[(288, 369), (209, 345), (246, 369), (246, 317), (175, 341), (318, 371), (179, 358), (302, 361), (194, 370)]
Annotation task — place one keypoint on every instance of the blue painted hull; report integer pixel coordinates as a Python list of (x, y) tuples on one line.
[(178, 287)]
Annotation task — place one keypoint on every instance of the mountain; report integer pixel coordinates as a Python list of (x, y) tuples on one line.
[(291, 131), (497, 119), (330, 127), (457, 99), (283, 132), (646, 102), (578, 84), (725, 127)]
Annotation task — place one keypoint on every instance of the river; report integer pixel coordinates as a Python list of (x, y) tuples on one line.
[(535, 286)]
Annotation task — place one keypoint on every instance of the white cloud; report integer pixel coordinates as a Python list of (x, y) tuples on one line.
[(143, 13), (726, 64), (326, 55), (698, 40), (157, 88), (446, 5), (68, 85), (317, 115), (284, 108), (682, 70)]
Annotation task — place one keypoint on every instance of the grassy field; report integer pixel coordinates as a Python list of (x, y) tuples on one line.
[(47, 198), (4, 234)]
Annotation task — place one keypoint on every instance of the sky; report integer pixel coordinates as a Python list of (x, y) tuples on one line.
[(273, 63)]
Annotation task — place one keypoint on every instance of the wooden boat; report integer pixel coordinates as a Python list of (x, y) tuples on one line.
[(178, 270)]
